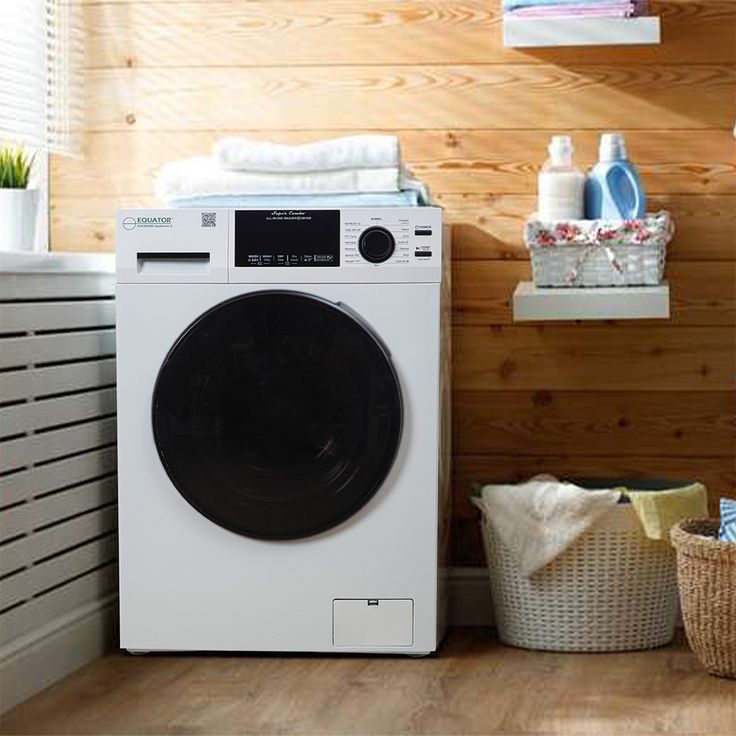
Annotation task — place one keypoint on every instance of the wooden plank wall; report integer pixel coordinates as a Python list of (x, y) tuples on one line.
[(166, 77)]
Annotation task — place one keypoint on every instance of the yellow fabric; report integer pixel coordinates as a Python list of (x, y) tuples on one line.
[(660, 510)]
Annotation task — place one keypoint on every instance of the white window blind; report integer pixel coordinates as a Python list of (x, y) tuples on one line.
[(41, 49)]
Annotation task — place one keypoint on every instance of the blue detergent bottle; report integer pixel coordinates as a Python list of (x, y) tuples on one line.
[(613, 190)]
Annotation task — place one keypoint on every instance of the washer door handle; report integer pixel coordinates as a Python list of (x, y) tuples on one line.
[(361, 320)]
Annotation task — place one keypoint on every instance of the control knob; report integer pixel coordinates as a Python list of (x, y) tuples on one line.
[(376, 244)]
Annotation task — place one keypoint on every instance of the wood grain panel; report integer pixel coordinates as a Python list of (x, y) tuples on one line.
[(87, 223), (491, 226), (523, 96), (545, 422), (485, 227), (483, 292), (123, 163), (599, 358), (242, 33), (718, 476)]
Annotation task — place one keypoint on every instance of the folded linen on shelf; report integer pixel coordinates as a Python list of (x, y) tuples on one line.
[(540, 519), (586, 9), (201, 175), (512, 5), (403, 198), (659, 511), (347, 152)]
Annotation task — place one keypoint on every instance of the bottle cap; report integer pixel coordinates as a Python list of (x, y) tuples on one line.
[(612, 147), (560, 150)]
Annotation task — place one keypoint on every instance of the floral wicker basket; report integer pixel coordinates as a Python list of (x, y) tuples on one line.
[(578, 253), (706, 572)]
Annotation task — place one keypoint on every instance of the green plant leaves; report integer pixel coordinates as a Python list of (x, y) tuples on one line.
[(15, 167)]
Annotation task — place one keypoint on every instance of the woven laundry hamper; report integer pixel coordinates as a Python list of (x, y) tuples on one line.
[(706, 570), (611, 590)]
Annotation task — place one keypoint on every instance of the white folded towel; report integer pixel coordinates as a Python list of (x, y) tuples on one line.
[(540, 519), (348, 152), (201, 176)]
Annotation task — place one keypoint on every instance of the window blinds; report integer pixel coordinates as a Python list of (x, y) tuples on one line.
[(41, 49)]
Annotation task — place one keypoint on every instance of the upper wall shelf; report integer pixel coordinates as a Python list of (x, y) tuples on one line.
[(545, 32)]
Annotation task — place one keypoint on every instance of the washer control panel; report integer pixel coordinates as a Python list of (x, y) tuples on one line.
[(392, 237), (400, 245)]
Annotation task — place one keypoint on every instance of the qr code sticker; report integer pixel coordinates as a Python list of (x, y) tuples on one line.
[(209, 219)]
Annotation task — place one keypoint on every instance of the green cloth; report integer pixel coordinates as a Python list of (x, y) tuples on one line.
[(658, 511)]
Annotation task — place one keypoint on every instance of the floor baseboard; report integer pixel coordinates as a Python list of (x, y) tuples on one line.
[(43, 657), (470, 597)]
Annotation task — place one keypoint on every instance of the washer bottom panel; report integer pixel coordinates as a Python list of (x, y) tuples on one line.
[(373, 622)]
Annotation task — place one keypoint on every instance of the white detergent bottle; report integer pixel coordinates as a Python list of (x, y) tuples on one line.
[(561, 185)]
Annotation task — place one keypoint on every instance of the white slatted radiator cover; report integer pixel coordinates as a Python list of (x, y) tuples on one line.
[(58, 483)]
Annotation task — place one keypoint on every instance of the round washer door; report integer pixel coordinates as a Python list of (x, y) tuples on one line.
[(277, 414)]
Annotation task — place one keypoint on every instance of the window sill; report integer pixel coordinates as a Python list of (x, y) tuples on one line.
[(16, 262)]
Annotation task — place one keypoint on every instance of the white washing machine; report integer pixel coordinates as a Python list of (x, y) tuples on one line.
[(282, 442)]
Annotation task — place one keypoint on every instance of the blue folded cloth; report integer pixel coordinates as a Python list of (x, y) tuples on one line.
[(727, 532), (403, 198)]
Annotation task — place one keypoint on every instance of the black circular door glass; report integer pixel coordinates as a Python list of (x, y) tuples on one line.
[(277, 414)]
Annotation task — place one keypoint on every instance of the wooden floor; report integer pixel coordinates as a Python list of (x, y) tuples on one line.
[(472, 686)]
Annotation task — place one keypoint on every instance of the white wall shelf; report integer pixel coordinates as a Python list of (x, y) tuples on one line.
[(535, 304), (569, 31)]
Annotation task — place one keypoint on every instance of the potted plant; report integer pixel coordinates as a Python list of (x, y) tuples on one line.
[(18, 203)]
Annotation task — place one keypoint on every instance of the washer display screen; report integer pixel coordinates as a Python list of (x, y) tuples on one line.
[(296, 238), (277, 414)]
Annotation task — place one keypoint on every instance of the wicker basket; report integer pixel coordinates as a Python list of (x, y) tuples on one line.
[(611, 590), (706, 570), (582, 253)]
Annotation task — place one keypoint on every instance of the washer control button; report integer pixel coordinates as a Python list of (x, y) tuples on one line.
[(376, 244)]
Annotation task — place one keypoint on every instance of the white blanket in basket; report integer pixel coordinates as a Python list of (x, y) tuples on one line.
[(540, 519)]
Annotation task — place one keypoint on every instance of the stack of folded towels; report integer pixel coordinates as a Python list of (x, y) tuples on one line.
[(353, 171), (577, 8)]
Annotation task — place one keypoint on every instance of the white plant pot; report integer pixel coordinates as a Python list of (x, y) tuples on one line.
[(18, 211)]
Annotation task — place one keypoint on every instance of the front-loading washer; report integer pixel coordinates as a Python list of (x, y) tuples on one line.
[(282, 429)]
